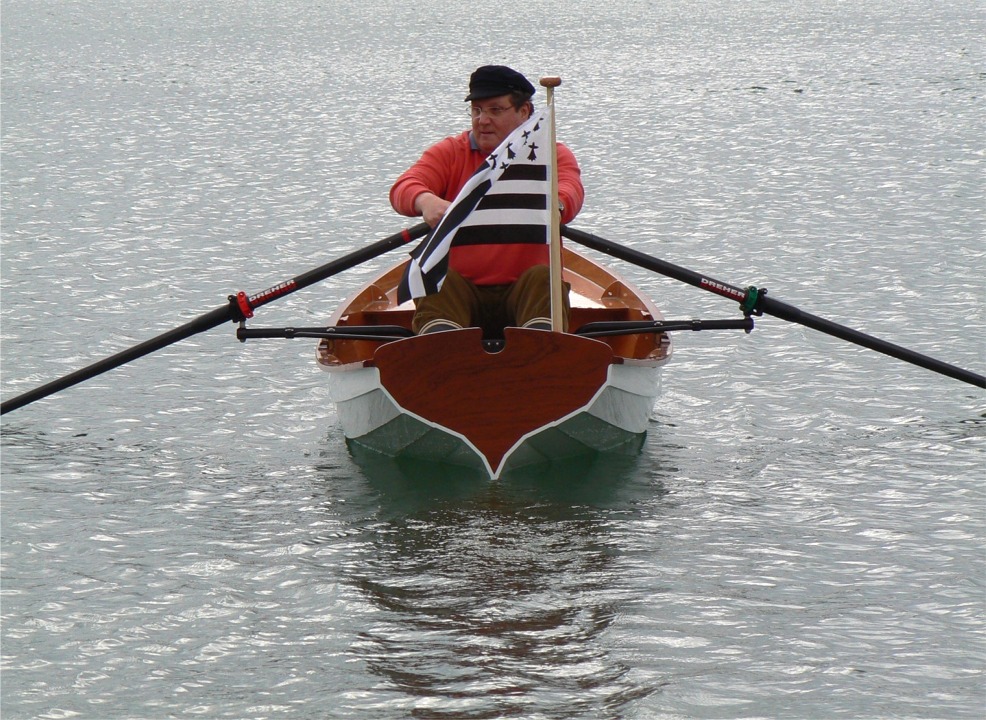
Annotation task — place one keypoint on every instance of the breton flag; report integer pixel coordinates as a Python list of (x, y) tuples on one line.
[(507, 197)]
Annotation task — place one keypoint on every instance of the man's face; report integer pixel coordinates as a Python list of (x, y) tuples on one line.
[(495, 118)]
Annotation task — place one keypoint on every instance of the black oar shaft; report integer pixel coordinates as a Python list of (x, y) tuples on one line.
[(205, 322), (351, 260), (784, 311), (762, 303), (649, 262), (239, 307)]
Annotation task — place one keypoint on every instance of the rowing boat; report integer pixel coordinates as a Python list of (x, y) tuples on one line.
[(531, 396)]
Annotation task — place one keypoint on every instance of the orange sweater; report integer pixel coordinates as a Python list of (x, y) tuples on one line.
[(444, 168)]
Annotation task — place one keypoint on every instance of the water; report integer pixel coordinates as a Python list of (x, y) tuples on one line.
[(188, 536)]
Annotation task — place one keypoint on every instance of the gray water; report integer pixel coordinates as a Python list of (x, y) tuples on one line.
[(801, 535)]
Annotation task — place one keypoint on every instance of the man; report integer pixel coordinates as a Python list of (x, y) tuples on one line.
[(494, 284)]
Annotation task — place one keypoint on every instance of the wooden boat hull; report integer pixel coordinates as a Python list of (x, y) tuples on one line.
[(542, 396)]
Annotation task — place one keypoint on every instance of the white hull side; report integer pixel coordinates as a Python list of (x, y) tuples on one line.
[(617, 417)]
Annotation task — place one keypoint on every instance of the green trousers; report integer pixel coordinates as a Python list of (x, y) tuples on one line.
[(491, 307)]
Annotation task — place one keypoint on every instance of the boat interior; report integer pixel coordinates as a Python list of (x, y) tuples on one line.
[(596, 296)]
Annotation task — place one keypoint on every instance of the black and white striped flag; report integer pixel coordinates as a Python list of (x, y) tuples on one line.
[(506, 199)]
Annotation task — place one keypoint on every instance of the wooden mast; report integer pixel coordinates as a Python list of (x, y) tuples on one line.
[(557, 304)]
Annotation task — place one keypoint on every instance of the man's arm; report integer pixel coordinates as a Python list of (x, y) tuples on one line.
[(571, 194), (422, 188)]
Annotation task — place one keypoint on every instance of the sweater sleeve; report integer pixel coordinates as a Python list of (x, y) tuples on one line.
[(571, 194), (431, 173)]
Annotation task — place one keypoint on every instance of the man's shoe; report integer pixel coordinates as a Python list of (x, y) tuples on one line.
[(538, 324), (438, 326)]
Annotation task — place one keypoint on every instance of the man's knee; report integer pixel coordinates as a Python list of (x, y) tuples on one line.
[(452, 305)]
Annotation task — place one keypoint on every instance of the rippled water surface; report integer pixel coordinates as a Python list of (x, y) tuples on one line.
[(801, 535)]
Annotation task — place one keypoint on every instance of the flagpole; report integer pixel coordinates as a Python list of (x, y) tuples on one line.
[(557, 303)]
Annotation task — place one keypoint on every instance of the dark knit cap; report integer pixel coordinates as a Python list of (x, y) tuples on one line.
[(495, 80)]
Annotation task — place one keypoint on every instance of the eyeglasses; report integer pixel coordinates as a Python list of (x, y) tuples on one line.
[(493, 112)]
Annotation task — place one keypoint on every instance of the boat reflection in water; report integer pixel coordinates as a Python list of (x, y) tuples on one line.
[(493, 598)]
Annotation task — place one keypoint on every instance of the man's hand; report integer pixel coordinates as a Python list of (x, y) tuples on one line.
[(431, 207)]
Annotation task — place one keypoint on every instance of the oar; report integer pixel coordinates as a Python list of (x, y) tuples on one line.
[(240, 307), (754, 301)]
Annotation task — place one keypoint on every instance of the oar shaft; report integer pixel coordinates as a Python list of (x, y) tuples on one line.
[(351, 260), (648, 262), (205, 322), (771, 306), (784, 311), (238, 308), (358, 257)]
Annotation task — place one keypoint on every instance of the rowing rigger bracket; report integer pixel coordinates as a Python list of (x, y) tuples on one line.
[(608, 329), (387, 333), (381, 333), (751, 303)]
